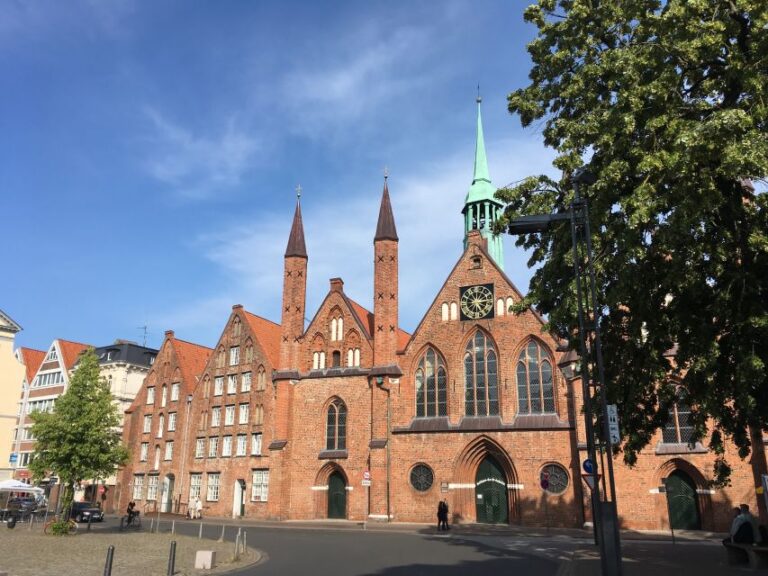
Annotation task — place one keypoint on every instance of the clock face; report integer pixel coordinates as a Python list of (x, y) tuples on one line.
[(477, 302)]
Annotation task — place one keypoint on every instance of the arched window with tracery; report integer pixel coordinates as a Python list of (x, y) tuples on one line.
[(535, 384), (431, 386), (336, 426), (481, 386)]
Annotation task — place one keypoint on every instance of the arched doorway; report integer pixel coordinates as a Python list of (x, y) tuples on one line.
[(682, 501), (337, 496), (491, 493)]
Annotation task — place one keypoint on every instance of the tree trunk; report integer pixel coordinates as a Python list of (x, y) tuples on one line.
[(759, 467)]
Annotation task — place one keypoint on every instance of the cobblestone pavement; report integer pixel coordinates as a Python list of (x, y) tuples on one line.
[(25, 552)]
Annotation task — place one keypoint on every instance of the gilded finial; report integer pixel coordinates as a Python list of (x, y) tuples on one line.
[(479, 98), (298, 191), (386, 172)]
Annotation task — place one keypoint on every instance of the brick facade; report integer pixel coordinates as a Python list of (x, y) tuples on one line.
[(341, 401)]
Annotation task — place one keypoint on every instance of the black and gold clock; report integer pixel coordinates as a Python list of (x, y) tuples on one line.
[(476, 302)]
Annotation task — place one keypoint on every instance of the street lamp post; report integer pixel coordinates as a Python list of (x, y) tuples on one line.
[(604, 513)]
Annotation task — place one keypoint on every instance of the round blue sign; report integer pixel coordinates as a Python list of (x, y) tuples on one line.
[(589, 466)]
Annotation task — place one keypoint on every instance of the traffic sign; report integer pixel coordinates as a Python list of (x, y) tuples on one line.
[(591, 479), (366, 478), (589, 466), (613, 423)]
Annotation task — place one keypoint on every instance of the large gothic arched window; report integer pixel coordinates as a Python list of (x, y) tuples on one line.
[(336, 426), (431, 387), (481, 387), (535, 386)]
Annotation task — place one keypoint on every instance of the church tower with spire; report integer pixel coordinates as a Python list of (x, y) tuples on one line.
[(294, 292), (481, 209)]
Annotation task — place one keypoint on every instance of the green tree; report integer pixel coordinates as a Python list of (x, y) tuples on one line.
[(668, 103), (80, 439)]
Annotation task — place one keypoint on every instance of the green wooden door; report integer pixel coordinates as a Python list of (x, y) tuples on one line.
[(491, 493), (683, 502), (337, 496)]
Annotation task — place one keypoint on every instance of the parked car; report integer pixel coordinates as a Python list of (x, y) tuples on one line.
[(82, 511)]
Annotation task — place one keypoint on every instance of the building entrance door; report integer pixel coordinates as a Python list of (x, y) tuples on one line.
[(337, 496), (683, 502), (167, 493), (491, 493), (238, 499)]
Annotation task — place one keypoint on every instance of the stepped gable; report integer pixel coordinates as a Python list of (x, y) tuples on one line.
[(268, 335), (32, 360), (71, 352), (191, 359)]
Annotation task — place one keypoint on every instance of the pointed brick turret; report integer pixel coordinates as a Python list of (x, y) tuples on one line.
[(296, 246), (294, 295), (385, 288), (385, 229)]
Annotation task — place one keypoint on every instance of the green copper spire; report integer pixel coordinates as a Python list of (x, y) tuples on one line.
[(481, 209), (481, 188)]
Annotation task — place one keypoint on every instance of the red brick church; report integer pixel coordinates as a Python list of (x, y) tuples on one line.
[(350, 417)]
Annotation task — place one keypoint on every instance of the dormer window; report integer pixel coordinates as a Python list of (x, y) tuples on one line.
[(52, 355)]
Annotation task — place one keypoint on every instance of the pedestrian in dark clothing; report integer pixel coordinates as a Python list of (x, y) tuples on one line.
[(442, 516)]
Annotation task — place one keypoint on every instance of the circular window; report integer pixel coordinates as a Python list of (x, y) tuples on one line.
[(556, 477), (422, 477)]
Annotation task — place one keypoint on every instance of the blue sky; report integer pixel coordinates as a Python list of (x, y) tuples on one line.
[(150, 153)]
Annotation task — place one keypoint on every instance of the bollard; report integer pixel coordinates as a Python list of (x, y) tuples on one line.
[(90, 517), (108, 565), (151, 525), (245, 540), (236, 556), (221, 538), (172, 559), (122, 521), (173, 527), (200, 534)]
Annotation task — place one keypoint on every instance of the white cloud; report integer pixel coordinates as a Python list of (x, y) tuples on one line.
[(426, 204), (197, 166)]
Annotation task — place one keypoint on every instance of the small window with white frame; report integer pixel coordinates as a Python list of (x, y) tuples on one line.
[(169, 450), (242, 444), (171, 421), (147, 423), (226, 446), (234, 355), (138, 486), (213, 447), (175, 387), (244, 414), (152, 488), (195, 484), (232, 384), (245, 382), (218, 386), (260, 486), (160, 426), (151, 395), (255, 444), (144, 454), (200, 448), (213, 487), (229, 415), (215, 416)]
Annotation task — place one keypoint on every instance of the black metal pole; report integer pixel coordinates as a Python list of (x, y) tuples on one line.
[(108, 564), (172, 559), (588, 423)]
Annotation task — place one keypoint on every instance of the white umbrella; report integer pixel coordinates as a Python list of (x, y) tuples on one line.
[(16, 486)]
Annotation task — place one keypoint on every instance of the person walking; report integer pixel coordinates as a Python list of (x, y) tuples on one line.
[(442, 515), (198, 507)]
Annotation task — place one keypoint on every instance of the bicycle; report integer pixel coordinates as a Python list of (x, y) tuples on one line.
[(127, 522), (71, 526)]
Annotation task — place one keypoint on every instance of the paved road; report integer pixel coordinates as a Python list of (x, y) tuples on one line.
[(328, 552)]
